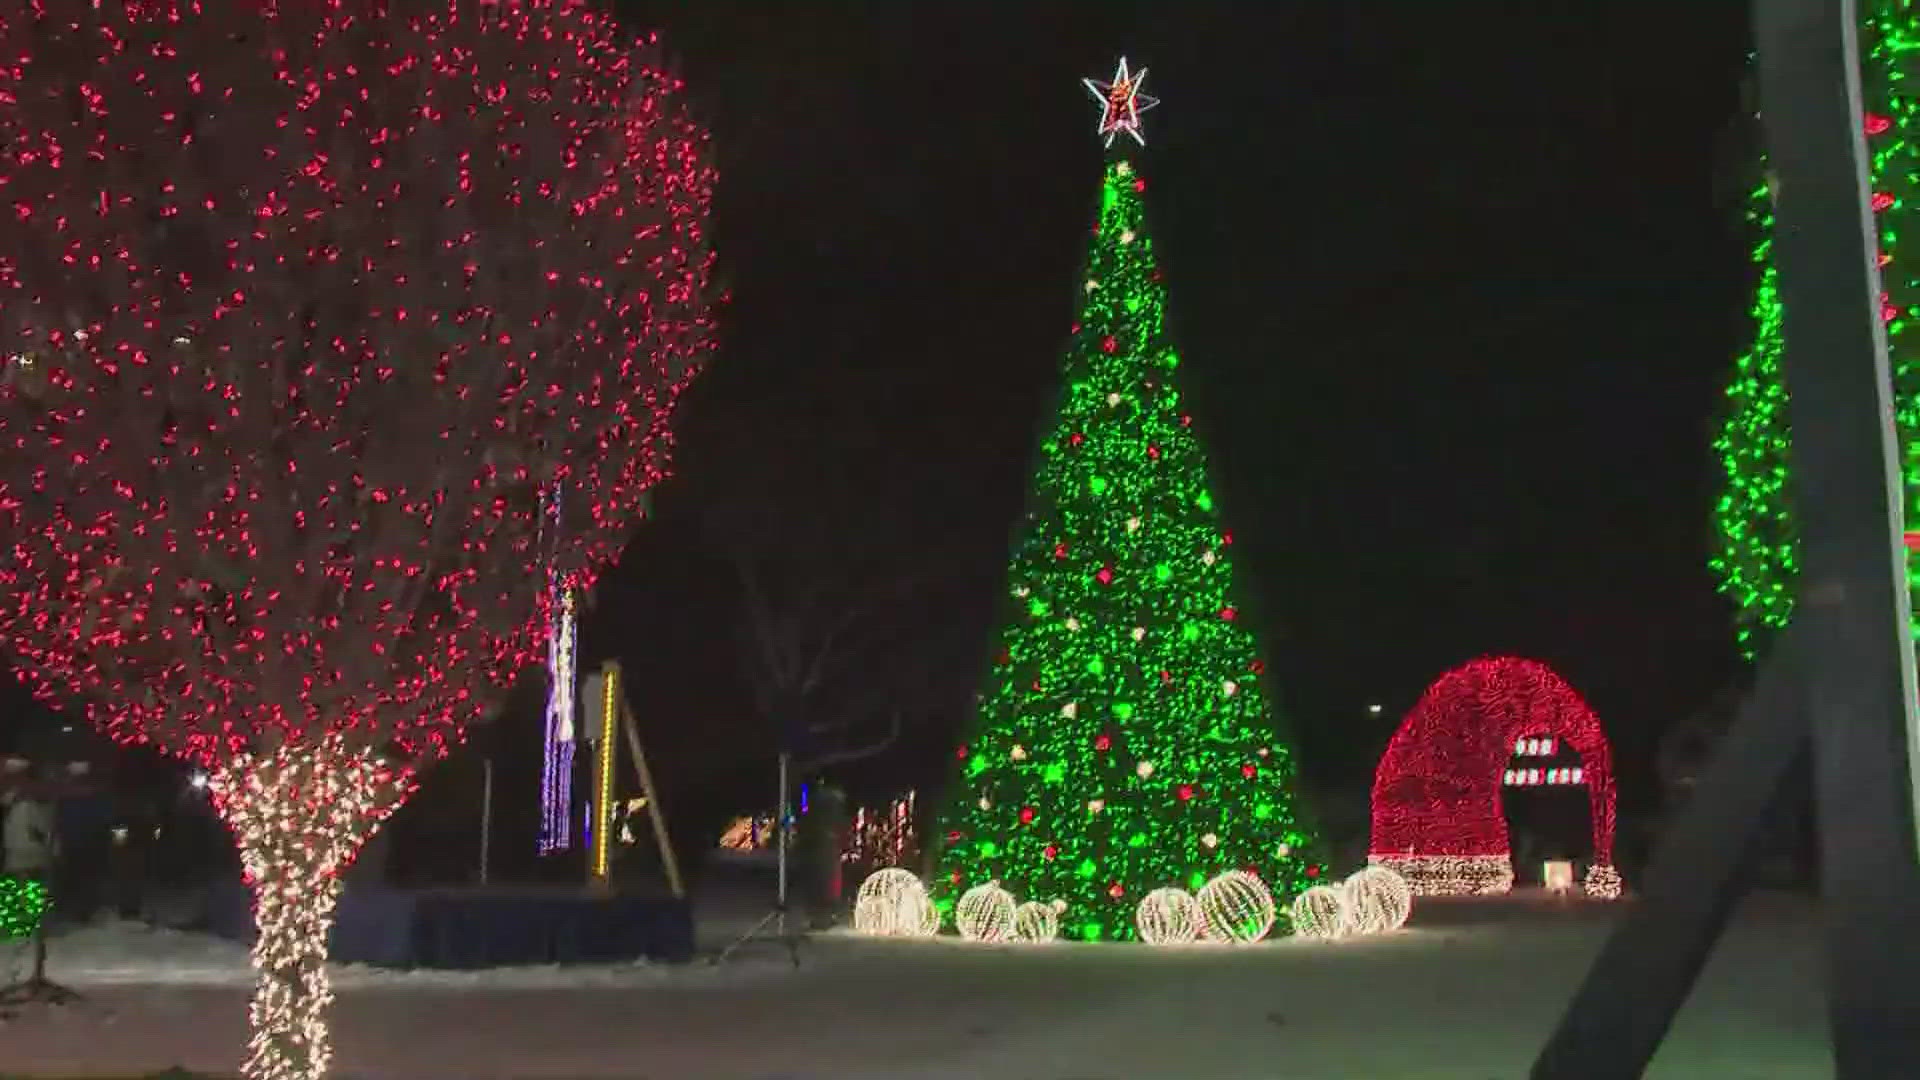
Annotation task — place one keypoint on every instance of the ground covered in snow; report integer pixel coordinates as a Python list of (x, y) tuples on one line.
[(1468, 992)]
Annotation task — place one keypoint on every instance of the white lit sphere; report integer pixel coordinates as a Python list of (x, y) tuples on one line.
[(1036, 922), (985, 913), (1603, 882), (1167, 917), (1236, 907), (1320, 912), (893, 903), (1377, 900)]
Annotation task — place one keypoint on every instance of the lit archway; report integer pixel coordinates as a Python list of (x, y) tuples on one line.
[(1437, 817)]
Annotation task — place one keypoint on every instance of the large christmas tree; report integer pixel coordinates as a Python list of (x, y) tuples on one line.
[(1758, 539), (1125, 740)]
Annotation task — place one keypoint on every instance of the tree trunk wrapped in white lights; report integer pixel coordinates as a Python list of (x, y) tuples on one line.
[(299, 817)]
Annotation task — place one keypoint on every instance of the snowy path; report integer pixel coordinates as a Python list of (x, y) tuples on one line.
[(1458, 999)]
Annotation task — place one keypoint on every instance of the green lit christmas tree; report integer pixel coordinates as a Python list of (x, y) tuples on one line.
[(1125, 739), (1758, 540)]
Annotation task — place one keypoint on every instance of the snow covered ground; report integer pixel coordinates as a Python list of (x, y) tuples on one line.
[(1467, 993)]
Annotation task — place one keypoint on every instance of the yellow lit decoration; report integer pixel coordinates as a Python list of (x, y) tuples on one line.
[(1167, 917), (1377, 900), (1034, 922), (1236, 908), (893, 903), (1603, 882), (985, 913), (600, 861), (1320, 912), (299, 816), (1557, 876)]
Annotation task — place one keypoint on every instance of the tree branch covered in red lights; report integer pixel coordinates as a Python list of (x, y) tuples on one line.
[(300, 312), (301, 308)]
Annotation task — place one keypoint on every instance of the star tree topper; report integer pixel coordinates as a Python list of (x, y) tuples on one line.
[(1121, 103)]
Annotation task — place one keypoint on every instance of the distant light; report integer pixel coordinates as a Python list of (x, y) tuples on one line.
[(1375, 710), (199, 781), (66, 729)]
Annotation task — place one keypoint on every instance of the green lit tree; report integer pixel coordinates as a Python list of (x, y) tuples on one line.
[(1757, 538), (1125, 740)]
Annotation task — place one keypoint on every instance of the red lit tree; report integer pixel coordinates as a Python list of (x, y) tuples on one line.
[(301, 309)]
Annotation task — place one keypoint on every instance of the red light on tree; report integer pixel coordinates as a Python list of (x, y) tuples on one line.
[(301, 318)]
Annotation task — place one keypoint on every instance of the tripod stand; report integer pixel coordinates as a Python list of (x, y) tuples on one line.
[(776, 917)]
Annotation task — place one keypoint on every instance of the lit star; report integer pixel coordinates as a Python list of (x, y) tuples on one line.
[(1121, 102)]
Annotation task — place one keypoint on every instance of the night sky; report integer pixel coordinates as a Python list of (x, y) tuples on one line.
[(1456, 285), (1457, 288)]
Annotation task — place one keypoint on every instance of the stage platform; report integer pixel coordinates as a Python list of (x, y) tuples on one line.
[(470, 928)]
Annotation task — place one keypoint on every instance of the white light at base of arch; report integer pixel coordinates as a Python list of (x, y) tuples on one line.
[(1236, 907), (1035, 922), (985, 914), (1377, 900), (1168, 917), (1603, 882), (893, 903), (1320, 912), (1451, 875)]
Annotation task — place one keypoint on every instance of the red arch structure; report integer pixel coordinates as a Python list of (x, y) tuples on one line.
[(1436, 795)]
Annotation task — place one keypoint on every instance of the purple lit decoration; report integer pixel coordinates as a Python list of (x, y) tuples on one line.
[(556, 779)]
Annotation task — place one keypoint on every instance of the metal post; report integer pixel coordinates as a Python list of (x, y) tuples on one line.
[(1845, 667), (655, 812), (486, 818), (1853, 602), (784, 831)]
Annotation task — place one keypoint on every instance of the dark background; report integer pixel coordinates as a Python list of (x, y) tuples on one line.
[(1457, 287)]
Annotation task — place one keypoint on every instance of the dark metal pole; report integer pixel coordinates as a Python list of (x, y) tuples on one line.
[(1848, 659), (1852, 604)]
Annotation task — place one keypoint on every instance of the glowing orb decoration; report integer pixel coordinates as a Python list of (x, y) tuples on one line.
[(1168, 917), (893, 903), (1377, 900), (1320, 912), (1035, 922), (1603, 882), (985, 913), (1235, 907)]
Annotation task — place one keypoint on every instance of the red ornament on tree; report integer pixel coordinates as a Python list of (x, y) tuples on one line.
[(1877, 124), (1109, 344), (1185, 792), (1258, 667), (1116, 890), (1226, 613), (1102, 742), (1026, 815), (1249, 769), (1104, 576), (960, 752), (1076, 439), (1060, 551), (1050, 851)]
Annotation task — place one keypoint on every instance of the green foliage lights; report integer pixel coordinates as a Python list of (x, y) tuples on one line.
[(1124, 741), (22, 904), (1757, 538)]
